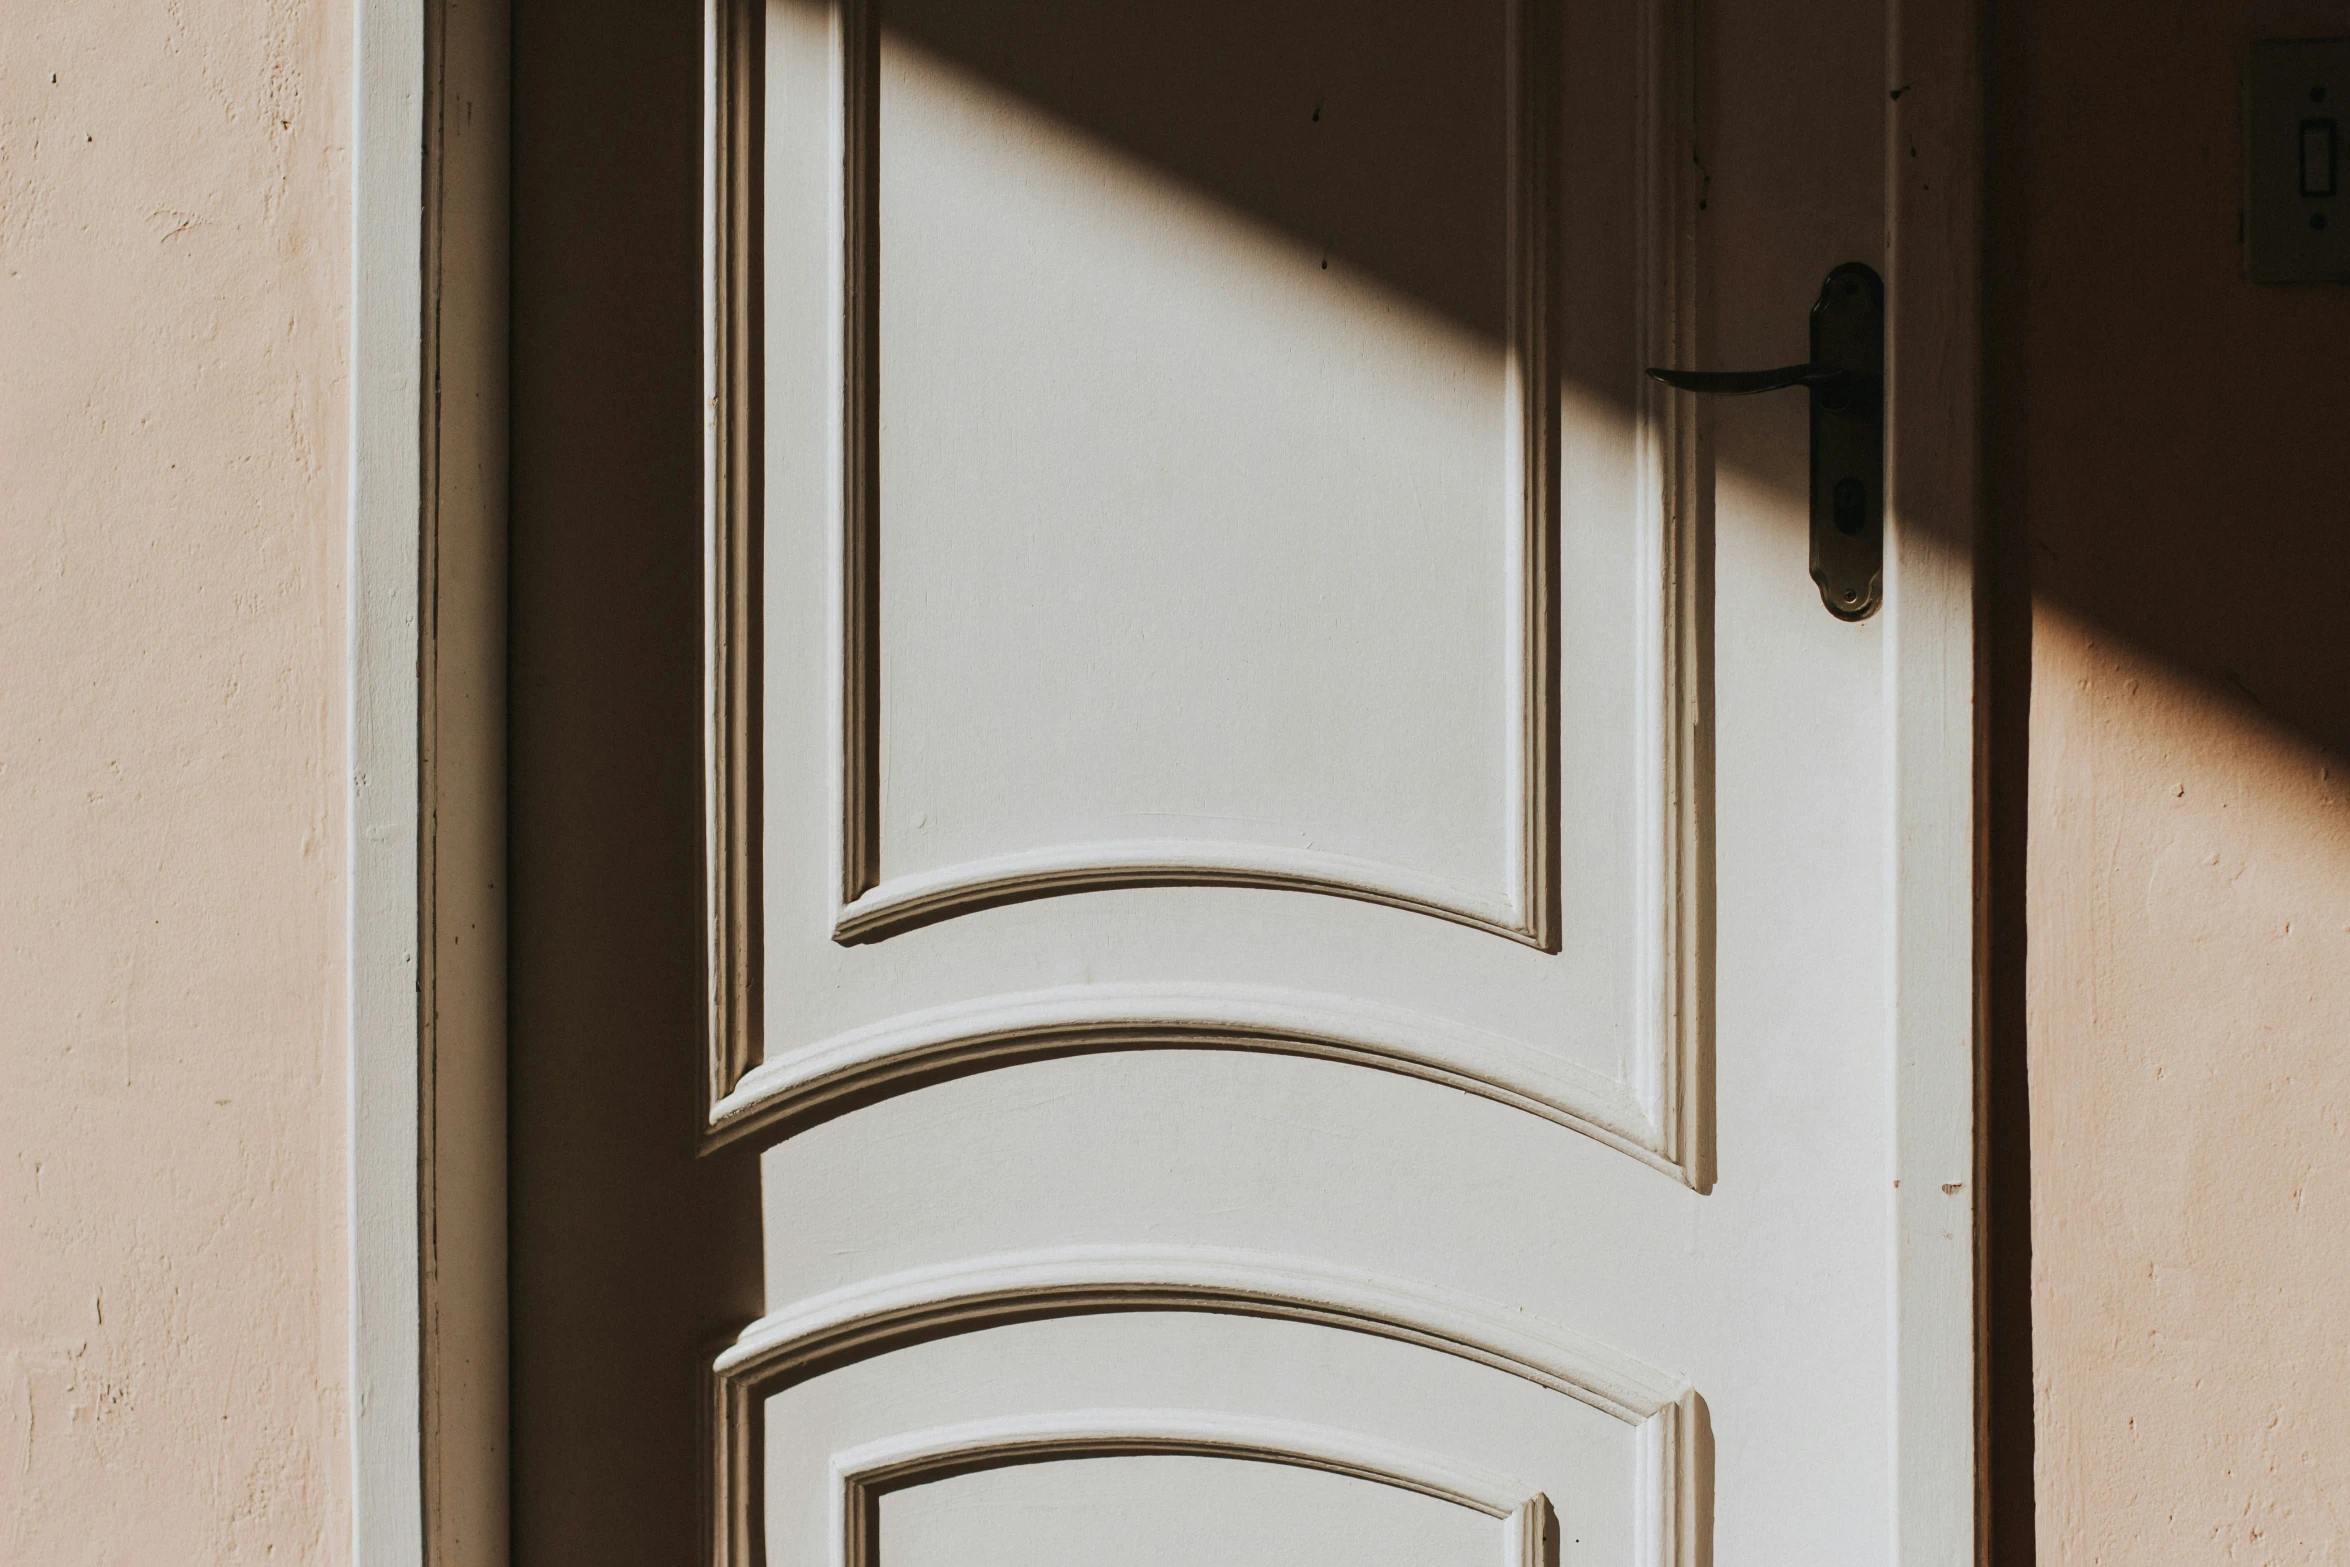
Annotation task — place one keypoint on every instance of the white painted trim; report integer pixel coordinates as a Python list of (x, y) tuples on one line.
[(860, 1474), (1223, 1017), (900, 901), (731, 34), (1078, 1278), (1933, 1002), (1082, 1433), (386, 562), (1674, 816), (425, 596)]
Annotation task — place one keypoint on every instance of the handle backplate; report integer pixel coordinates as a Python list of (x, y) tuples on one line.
[(1846, 379), (1848, 443)]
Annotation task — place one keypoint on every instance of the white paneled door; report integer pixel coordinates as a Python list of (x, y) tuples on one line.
[(1333, 959)]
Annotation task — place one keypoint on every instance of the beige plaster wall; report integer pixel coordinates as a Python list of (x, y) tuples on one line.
[(173, 271), (2190, 1007), (2172, 469)]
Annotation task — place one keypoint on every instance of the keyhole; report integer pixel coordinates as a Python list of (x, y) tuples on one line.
[(1850, 500)]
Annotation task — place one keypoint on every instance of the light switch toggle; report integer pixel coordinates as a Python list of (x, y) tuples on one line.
[(2320, 157), (2296, 215)]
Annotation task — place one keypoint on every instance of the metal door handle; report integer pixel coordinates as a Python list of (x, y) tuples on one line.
[(1744, 383), (1846, 381)]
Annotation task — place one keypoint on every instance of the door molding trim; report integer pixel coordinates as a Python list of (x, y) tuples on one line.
[(861, 1475), (732, 120), (1933, 505), (917, 1456), (425, 849), (997, 1030), (899, 903), (874, 1316)]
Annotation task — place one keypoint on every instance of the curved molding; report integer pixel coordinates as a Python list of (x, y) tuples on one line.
[(999, 1029), (860, 1474), (873, 1315), (876, 1316), (1103, 1433), (905, 901)]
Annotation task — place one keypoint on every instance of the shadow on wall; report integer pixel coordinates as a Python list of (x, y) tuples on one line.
[(2171, 560), (2167, 497)]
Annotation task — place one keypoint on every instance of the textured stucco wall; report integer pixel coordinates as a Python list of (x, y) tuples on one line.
[(2175, 443), (2191, 1098), (173, 270)]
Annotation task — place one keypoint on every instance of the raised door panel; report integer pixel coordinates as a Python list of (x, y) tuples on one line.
[(1223, 578), (1181, 573)]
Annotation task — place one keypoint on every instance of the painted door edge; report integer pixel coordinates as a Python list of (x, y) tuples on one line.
[(1933, 160)]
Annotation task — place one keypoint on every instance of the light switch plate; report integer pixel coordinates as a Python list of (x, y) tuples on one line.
[(2296, 161)]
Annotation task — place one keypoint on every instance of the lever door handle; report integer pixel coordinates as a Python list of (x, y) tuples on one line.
[(1745, 383), (1846, 379)]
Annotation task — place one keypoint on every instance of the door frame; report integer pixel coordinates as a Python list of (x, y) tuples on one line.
[(424, 866), (1939, 868), (424, 853)]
